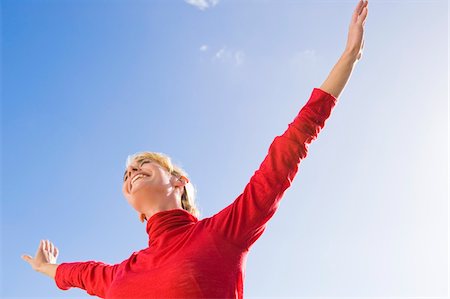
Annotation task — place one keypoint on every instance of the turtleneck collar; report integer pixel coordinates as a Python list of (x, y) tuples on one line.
[(166, 221)]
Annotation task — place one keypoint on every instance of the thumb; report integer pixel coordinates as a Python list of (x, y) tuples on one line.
[(26, 258)]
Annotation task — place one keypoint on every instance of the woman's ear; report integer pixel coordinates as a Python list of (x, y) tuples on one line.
[(181, 181), (184, 179)]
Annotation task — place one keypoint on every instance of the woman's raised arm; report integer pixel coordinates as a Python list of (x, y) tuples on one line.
[(339, 75), (244, 220)]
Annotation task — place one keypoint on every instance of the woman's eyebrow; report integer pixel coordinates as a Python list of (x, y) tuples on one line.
[(140, 161)]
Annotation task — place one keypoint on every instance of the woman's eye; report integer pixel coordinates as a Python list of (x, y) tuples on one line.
[(143, 162)]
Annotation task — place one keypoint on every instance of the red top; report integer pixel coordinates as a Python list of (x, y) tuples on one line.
[(188, 258)]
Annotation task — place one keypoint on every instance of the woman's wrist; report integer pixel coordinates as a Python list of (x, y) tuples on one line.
[(350, 55), (48, 269)]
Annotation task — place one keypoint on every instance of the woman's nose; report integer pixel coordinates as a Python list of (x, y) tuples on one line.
[(130, 169)]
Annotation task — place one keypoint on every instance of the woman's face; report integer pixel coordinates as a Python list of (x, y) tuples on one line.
[(145, 183)]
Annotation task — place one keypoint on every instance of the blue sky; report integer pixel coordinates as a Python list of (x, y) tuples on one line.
[(86, 83)]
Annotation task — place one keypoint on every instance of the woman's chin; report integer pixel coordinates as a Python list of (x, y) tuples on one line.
[(141, 188), (141, 197)]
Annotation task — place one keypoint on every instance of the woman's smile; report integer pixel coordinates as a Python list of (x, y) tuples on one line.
[(138, 178)]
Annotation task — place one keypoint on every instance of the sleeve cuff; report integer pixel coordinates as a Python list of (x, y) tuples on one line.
[(59, 278), (321, 93)]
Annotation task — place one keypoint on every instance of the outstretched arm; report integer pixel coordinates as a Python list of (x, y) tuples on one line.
[(243, 221), (339, 75), (92, 276)]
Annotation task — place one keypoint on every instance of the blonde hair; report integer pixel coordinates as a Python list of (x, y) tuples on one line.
[(188, 196)]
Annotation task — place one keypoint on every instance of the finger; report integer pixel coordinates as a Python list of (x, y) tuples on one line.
[(359, 7), (51, 247), (362, 5), (46, 245), (26, 258), (363, 16), (41, 247), (357, 11), (56, 252)]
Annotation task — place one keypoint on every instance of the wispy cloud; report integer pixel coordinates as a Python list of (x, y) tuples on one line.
[(224, 55), (235, 57), (202, 4)]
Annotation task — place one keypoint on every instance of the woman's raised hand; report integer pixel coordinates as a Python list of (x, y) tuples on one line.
[(355, 40), (47, 253)]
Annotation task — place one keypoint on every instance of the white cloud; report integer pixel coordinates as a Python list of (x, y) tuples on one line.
[(221, 53), (204, 48), (239, 57), (202, 4), (225, 55)]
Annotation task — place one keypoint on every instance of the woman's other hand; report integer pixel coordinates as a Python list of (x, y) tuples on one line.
[(45, 258), (355, 40)]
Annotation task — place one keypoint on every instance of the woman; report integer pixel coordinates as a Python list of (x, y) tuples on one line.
[(188, 258)]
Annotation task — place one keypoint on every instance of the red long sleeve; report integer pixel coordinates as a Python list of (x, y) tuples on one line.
[(94, 277), (188, 258)]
